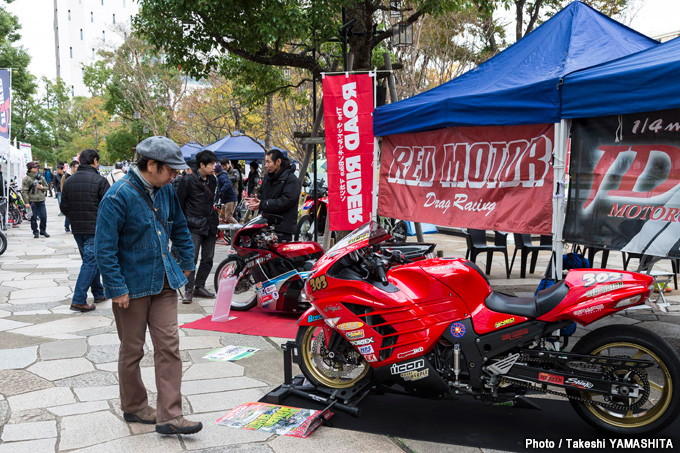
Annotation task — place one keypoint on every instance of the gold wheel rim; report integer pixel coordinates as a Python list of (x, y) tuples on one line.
[(630, 419), (322, 378)]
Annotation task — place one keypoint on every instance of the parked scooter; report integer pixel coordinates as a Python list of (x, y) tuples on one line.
[(436, 329), (271, 274)]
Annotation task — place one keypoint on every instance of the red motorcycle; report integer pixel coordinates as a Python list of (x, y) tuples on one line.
[(435, 328)]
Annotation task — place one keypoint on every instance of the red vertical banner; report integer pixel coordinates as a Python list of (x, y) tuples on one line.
[(348, 119)]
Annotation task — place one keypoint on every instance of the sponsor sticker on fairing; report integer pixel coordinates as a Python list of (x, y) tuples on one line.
[(366, 349), (415, 375), (362, 342), (351, 325), (504, 322), (399, 368), (415, 351), (551, 378), (371, 358), (458, 329), (354, 334), (312, 318)]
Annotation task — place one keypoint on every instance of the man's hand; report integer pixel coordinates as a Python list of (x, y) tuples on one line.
[(253, 203), (39, 187), (186, 273), (123, 300)]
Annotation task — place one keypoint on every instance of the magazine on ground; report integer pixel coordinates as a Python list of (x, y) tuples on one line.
[(284, 420), (230, 353)]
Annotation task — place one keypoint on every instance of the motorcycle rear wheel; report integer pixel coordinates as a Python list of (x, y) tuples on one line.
[(14, 215), (3, 242), (662, 404), (245, 295), (399, 232), (323, 371)]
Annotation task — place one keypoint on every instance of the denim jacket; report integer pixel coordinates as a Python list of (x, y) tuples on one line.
[(132, 248)]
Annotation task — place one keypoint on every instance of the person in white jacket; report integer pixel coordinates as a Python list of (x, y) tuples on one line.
[(116, 173)]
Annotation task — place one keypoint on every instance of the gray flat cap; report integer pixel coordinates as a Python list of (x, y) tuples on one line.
[(162, 149)]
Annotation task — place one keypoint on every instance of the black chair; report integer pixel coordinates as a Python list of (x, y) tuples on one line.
[(590, 252), (525, 246), (476, 244), (647, 262)]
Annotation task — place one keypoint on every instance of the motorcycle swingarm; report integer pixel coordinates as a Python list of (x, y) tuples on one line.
[(566, 380), (581, 362)]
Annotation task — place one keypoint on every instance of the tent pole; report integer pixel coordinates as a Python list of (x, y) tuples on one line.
[(560, 164)]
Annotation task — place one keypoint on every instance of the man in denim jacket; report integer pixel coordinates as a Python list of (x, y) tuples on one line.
[(141, 276)]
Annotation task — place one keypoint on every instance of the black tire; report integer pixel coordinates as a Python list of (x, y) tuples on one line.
[(304, 231), (245, 295), (622, 341), (311, 345), (14, 215), (399, 232), (3, 242)]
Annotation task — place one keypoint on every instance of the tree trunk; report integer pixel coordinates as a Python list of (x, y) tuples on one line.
[(269, 125)]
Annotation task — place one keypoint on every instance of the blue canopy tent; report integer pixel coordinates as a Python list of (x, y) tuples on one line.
[(239, 146), (521, 84), (190, 148), (642, 82)]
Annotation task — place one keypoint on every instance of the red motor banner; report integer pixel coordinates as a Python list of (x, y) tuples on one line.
[(624, 192), (348, 119), (490, 178)]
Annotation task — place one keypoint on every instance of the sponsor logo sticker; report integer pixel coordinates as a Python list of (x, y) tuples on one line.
[(415, 375), (399, 368), (589, 310), (354, 334), (458, 329), (332, 308), (313, 318), (515, 335), (410, 353), (371, 358), (504, 323), (366, 349), (604, 289), (551, 378), (351, 325), (362, 342), (580, 383)]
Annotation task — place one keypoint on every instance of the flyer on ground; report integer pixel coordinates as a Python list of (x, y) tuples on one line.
[(230, 353), (283, 420)]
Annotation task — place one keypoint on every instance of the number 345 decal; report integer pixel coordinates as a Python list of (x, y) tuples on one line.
[(591, 278), (318, 283)]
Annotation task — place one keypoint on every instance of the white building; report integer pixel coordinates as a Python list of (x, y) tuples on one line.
[(81, 28)]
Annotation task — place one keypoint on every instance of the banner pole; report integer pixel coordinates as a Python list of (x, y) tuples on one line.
[(376, 157)]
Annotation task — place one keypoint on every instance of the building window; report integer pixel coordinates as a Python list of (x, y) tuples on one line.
[(69, 14), (103, 35), (81, 34), (114, 18), (91, 16)]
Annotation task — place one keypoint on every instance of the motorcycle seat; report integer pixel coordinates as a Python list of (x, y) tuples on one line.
[(529, 307)]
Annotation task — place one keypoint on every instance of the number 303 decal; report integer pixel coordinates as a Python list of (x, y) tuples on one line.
[(318, 283), (591, 278)]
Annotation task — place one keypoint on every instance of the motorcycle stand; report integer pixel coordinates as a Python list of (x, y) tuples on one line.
[(324, 395)]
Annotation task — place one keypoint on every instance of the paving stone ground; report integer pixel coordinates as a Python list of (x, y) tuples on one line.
[(58, 368)]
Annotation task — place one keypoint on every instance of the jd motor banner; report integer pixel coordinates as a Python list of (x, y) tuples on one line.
[(491, 178), (348, 119), (625, 183)]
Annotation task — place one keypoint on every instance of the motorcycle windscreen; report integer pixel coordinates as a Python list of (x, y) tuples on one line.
[(369, 233)]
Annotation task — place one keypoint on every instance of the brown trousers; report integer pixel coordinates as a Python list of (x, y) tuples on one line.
[(228, 212), (159, 313)]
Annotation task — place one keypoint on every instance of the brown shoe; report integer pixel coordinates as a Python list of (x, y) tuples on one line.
[(146, 415), (179, 425), (82, 307), (188, 296)]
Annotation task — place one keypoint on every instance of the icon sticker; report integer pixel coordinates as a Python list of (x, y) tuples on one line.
[(458, 329)]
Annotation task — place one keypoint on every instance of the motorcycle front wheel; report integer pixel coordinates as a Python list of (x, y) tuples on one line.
[(658, 403), (322, 370), (305, 232), (245, 295), (399, 232), (3, 242)]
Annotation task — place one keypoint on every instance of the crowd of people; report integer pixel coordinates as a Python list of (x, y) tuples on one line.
[(161, 218)]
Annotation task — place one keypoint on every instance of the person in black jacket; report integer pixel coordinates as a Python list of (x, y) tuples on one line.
[(196, 193), (80, 199), (279, 194)]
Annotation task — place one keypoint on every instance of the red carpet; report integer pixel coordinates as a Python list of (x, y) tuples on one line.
[(252, 322)]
